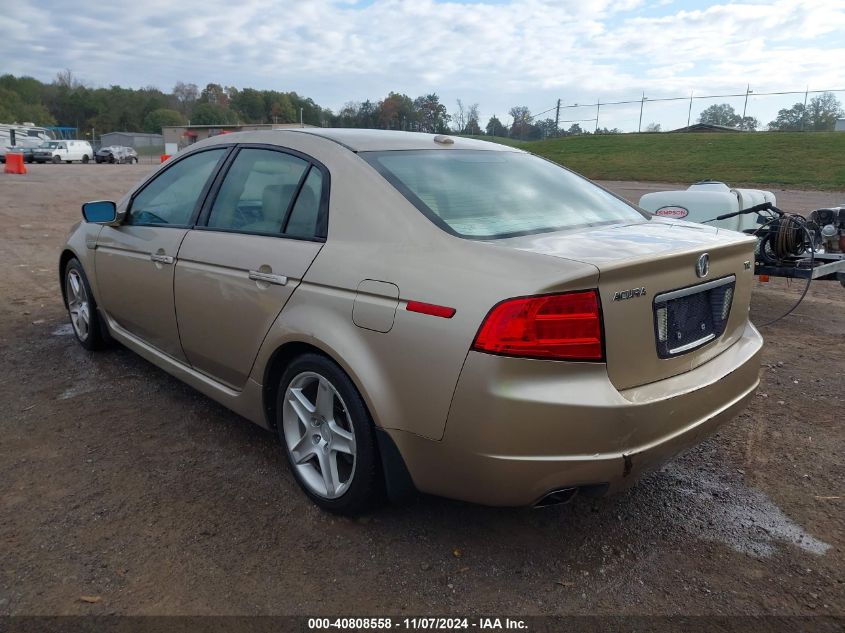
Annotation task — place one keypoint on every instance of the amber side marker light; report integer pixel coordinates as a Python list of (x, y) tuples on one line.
[(558, 327), (431, 309)]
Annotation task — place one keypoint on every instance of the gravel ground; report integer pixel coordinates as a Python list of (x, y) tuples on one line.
[(124, 491)]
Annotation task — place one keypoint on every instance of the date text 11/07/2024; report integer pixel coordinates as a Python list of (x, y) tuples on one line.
[(422, 623)]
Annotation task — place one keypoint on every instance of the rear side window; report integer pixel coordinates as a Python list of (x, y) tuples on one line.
[(257, 192), (305, 217), (497, 194), (171, 197)]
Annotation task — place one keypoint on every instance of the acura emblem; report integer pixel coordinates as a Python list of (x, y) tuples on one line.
[(702, 266)]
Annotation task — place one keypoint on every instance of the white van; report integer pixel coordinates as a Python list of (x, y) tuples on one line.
[(67, 151)]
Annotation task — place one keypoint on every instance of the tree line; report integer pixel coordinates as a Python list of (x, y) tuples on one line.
[(818, 115), (68, 102)]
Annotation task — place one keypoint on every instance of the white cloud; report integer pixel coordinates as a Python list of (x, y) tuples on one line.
[(528, 52)]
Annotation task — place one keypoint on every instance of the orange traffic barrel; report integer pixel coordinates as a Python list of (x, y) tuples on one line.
[(164, 157), (14, 164)]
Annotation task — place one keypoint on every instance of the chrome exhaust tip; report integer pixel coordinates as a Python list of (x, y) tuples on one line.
[(557, 497)]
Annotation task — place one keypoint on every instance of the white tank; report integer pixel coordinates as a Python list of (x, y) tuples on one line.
[(706, 200)]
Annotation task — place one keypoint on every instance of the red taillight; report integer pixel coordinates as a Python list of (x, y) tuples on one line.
[(563, 326)]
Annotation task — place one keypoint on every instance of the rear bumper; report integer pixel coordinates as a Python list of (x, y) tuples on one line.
[(519, 429)]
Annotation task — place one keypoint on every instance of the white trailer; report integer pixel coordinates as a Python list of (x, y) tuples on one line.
[(23, 135)]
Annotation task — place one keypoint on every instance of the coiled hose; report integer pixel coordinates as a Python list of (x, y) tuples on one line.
[(787, 241)]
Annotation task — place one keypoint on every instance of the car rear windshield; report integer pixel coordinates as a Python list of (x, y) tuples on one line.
[(497, 194)]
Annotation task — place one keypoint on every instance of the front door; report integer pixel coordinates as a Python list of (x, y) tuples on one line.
[(249, 252), (135, 261)]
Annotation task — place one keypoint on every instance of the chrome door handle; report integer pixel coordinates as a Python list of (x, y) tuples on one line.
[(270, 278), (161, 259)]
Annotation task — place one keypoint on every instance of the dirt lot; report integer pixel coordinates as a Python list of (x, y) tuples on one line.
[(120, 483)]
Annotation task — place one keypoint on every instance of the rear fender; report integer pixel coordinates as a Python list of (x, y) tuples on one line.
[(321, 317)]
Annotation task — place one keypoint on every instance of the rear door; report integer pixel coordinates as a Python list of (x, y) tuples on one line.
[(135, 261), (262, 227)]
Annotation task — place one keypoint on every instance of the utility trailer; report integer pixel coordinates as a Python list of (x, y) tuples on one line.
[(788, 245), (825, 266)]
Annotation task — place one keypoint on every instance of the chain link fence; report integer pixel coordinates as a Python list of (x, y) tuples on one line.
[(748, 110)]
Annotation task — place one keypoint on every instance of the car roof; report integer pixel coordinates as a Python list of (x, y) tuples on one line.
[(360, 140)]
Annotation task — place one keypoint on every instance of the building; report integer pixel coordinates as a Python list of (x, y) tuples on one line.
[(178, 137), (136, 140), (840, 125), (707, 127)]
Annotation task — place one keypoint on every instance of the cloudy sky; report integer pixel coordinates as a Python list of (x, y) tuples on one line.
[(495, 53)]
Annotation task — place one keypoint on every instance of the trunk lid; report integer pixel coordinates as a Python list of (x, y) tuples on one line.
[(641, 261)]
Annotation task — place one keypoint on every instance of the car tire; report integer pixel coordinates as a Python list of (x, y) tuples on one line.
[(81, 307), (56, 160), (85, 159), (329, 440)]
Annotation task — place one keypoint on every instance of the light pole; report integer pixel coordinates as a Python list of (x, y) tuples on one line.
[(748, 90), (301, 124), (689, 112), (642, 103), (804, 111), (557, 119)]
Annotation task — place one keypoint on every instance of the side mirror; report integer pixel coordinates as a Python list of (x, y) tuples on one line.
[(100, 212)]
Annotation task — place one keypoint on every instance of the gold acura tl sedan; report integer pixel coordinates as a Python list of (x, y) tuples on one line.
[(411, 311)]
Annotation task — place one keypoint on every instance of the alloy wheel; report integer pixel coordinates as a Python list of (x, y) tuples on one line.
[(78, 304), (319, 435)]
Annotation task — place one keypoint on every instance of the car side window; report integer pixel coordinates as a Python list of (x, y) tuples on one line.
[(172, 196), (257, 191), (305, 216)]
